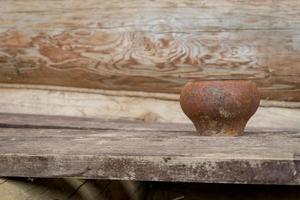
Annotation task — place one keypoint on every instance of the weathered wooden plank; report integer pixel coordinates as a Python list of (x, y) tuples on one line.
[(152, 45), (9, 120), (260, 156), (145, 143), (149, 107)]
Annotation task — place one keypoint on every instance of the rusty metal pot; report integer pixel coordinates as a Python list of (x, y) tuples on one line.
[(220, 107)]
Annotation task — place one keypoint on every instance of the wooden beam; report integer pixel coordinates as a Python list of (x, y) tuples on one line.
[(149, 107), (154, 154), (153, 46)]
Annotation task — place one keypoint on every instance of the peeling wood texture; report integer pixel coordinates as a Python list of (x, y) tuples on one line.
[(153, 46), (147, 152)]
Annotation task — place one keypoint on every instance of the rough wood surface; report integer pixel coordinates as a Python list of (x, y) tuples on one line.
[(127, 105), (147, 153), (151, 45)]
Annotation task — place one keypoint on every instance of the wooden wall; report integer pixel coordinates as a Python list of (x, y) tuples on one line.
[(151, 45)]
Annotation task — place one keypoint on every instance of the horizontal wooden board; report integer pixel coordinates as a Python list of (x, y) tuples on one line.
[(157, 154), (153, 46), (149, 107), (9, 120)]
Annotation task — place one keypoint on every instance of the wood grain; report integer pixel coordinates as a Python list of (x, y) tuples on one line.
[(153, 46), (148, 107), (259, 157)]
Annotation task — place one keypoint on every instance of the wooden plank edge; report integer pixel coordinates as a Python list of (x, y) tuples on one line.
[(153, 168), (30, 121)]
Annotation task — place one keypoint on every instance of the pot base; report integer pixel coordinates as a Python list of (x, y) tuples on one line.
[(220, 128)]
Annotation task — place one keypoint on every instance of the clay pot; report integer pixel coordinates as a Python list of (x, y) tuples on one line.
[(220, 107)]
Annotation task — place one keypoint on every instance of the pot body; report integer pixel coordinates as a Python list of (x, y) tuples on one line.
[(219, 107)]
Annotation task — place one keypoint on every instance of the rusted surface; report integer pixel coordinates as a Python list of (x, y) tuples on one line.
[(219, 107)]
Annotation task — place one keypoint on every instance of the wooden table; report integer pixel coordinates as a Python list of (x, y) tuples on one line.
[(44, 146)]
